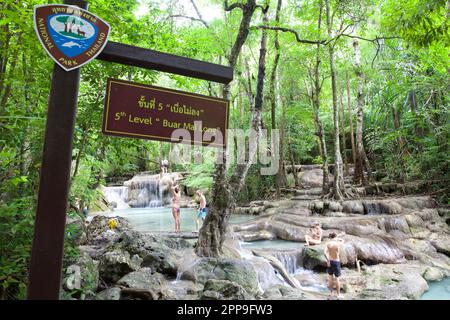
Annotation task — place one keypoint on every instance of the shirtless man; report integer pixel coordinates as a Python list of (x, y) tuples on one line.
[(316, 235), (201, 208), (164, 166), (333, 263), (176, 206)]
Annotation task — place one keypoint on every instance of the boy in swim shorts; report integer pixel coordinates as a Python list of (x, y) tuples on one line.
[(202, 208)]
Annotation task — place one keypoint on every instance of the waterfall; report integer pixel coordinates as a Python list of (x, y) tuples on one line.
[(289, 259), (149, 194), (142, 191), (117, 196), (151, 190)]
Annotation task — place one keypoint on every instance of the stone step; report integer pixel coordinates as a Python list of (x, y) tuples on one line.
[(311, 192), (301, 203), (305, 197), (298, 211)]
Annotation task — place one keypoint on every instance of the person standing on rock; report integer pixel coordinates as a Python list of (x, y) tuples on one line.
[(164, 166), (315, 236), (176, 206), (202, 208), (333, 263)]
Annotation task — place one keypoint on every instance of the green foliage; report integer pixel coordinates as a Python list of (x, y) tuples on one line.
[(16, 226), (420, 22), (200, 176)]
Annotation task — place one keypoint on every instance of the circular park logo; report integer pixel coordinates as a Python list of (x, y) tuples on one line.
[(70, 35)]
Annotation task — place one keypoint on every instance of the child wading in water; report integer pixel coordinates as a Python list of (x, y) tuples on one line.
[(176, 206), (202, 208)]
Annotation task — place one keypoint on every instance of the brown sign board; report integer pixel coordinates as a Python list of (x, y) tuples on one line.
[(143, 111)]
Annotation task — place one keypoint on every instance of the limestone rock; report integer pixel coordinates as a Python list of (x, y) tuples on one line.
[(393, 282), (112, 293), (156, 252), (433, 274), (142, 279), (234, 270), (313, 258), (117, 263), (223, 290), (98, 231)]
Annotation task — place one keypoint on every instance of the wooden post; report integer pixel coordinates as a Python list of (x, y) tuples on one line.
[(46, 257)]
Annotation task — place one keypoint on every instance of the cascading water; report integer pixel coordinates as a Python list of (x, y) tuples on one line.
[(149, 191), (117, 196), (150, 195), (289, 260), (142, 191)]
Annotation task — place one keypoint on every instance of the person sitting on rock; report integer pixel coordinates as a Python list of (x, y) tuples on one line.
[(315, 236)]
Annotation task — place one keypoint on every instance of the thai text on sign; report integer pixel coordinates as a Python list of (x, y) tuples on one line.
[(148, 112)]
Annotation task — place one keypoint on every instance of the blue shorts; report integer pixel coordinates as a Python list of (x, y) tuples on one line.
[(334, 268), (202, 213)]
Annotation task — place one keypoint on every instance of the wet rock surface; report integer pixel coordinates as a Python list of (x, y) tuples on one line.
[(399, 243)]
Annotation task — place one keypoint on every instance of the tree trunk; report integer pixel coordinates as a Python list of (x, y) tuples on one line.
[(4, 53), (342, 122), (401, 143), (223, 198), (7, 85), (350, 119), (338, 191), (413, 105), (281, 170), (360, 152), (280, 178), (291, 158), (316, 108)]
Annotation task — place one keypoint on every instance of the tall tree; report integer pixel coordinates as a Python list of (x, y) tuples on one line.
[(316, 108), (223, 198), (361, 158), (338, 192), (343, 136), (280, 177), (350, 118)]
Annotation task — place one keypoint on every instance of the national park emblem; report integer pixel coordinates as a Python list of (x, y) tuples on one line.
[(70, 35)]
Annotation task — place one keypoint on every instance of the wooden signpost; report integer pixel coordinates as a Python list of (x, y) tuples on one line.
[(44, 279)]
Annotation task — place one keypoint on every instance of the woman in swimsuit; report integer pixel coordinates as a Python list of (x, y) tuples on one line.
[(176, 207)]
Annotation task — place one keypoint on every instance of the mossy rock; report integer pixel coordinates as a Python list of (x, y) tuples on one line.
[(234, 270), (313, 258)]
